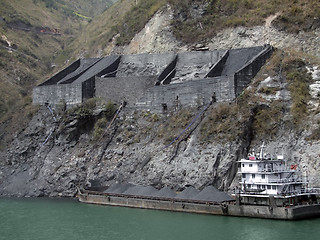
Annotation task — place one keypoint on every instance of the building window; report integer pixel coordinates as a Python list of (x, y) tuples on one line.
[(243, 175), (263, 176), (253, 175), (250, 164)]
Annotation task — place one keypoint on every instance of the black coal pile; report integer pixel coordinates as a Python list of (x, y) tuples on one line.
[(141, 191), (166, 193), (210, 193), (188, 193), (119, 188)]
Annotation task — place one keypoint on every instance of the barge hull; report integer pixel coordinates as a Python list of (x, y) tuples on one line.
[(284, 213)]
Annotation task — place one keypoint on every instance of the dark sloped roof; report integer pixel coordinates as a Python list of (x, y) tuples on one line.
[(210, 193), (238, 58), (97, 68), (85, 64)]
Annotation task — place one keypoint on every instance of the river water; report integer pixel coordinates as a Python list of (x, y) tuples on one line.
[(68, 219)]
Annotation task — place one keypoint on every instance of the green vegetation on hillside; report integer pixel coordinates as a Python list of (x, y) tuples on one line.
[(123, 19), (201, 19), (136, 19), (34, 40), (173, 126), (70, 7), (194, 21), (266, 119), (28, 56), (299, 80)]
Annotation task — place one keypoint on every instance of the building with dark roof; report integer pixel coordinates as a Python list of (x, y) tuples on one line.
[(156, 81)]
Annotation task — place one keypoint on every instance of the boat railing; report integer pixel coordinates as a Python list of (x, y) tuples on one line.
[(303, 191), (277, 170), (265, 181), (314, 190), (285, 180), (263, 170), (288, 193)]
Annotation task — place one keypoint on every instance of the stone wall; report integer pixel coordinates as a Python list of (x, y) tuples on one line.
[(189, 78), (53, 94), (191, 93), (88, 88), (119, 89)]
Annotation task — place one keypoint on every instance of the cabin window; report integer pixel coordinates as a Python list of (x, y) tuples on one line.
[(249, 185), (263, 186), (242, 164), (253, 175), (243, 175), (250, 165), (259, 186), (269, 187), (263, 176), (274, 187)]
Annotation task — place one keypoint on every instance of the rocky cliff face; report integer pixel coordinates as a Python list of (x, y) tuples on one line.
[(46, 160), (53, 155)]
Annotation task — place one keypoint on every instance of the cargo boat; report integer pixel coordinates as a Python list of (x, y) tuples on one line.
[(269, 188)]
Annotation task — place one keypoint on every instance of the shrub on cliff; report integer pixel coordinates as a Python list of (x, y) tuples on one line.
[(298, 80), (99, 129), (110, 110), (83, 110)]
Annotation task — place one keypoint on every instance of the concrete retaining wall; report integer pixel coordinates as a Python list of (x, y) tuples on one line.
[(119, 89), (190, 93), (132, 78), (53, 94), (88, 89)]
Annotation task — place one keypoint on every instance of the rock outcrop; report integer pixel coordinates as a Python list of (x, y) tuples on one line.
[(51, 157)]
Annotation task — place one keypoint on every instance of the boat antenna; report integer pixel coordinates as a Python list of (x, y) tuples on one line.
[(261, 151)]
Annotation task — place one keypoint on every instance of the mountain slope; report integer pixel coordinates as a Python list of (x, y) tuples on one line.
[(34, 40), (280, 107)]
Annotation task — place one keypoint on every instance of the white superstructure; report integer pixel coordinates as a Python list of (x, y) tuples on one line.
[(263, 175)]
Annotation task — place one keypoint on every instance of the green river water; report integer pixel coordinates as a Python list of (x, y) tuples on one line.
[(68, 219)]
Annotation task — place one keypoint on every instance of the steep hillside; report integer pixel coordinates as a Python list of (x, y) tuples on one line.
[(33, 44), (116, 26), (50, 156), (193, 22)]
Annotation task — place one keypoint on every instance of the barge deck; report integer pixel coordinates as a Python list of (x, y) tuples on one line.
[(232, 208)]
